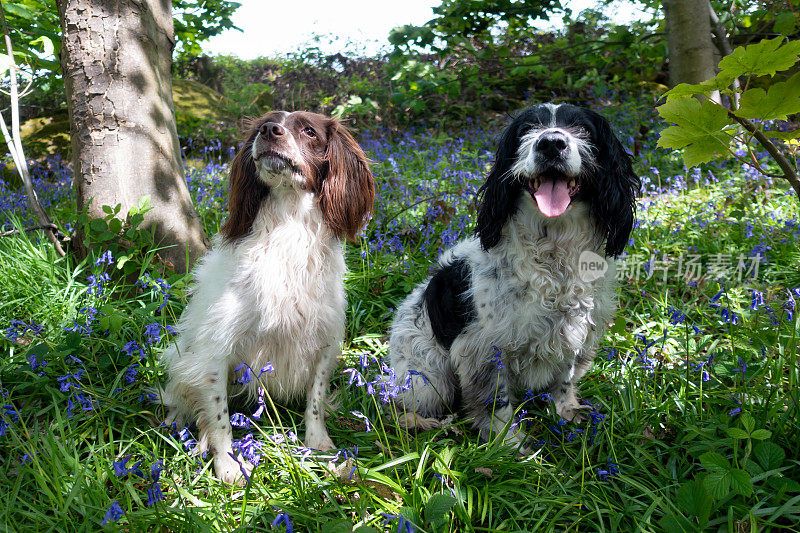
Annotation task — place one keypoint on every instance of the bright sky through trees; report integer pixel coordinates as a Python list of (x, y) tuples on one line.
[(277, 28)]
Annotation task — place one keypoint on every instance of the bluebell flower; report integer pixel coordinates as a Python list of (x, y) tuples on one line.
[(132, 348), (247, 375), (420, 374), (403, 525), (153, 333), (105, 258), (496, 357), (284, 519), (113, 513), (120, 468), (154, 494), (363, 417), (238, 420), (267, 369), (155, 469)]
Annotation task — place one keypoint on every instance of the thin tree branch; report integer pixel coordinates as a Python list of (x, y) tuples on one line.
[(51, 227), (789, 173), (14, 141)]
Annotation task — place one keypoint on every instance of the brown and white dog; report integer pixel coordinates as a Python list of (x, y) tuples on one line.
[(270, 292)]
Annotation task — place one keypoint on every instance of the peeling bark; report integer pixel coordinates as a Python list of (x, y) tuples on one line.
[(116, 59)]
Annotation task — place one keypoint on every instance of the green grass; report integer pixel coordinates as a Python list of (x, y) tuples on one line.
[(682, 460)]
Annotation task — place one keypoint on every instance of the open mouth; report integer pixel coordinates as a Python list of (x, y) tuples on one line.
[(553, 192), (275, 161)]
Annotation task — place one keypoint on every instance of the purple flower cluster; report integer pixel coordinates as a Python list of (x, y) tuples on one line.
[(385, 385), (20, 328)]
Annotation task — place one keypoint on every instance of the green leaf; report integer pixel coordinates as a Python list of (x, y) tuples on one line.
[(737, 433), (411, 515), (779, 101), (48, 48), (341, 526), (769, 455), (699, 129), (121, 261), (718, 484), (761, 434), (677, 524), (764, 58), (115, 225), (784, 135), (438, 506), (619, 327), (714, 462), (98, 225), (785, 23), (694, 500), (748, 422), (740, 482)]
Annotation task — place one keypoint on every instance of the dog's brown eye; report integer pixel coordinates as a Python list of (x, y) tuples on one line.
[(310, 132)]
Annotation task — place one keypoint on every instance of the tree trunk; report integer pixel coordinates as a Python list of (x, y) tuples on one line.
[(116, 59), (691, 49)]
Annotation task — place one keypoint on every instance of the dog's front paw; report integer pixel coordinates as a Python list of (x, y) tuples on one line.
[(232, 471), (415, 421), (319, 441), (576, 413)]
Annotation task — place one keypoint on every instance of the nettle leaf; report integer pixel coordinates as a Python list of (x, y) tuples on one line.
[(699, 128), (764, 58), (769, 455), (740, 482), (779, 101)]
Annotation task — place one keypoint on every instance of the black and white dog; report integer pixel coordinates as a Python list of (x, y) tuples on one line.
[(524, 303)]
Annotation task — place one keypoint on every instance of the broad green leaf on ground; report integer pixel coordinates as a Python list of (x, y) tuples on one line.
[(699, 129), (438, 506), (714, 462), (764, 58), (740, 482), (769, 455), (779, 101), (718, 484), (694, 500)]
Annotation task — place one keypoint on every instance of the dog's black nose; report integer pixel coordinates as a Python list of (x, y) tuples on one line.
[(272, 129), (551, 144)]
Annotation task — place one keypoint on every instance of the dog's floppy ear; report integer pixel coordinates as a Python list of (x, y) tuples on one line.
[(498, 196), (347, 193), (246, 191), (613, 202)]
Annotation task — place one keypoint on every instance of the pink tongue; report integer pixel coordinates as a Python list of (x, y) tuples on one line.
[(552, 197)]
